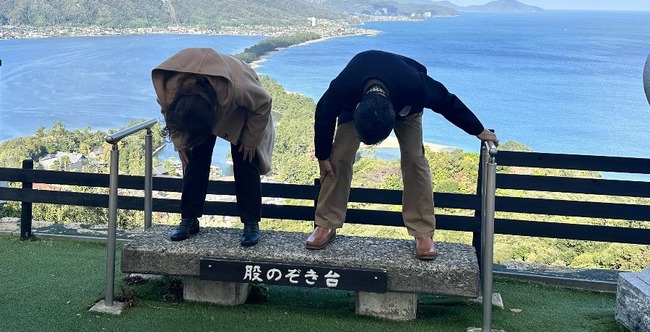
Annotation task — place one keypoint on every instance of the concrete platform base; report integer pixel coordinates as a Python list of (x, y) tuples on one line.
[(390, 305), (633, 301), (115, 309), (455, 272), (217, 292), (478, 329)]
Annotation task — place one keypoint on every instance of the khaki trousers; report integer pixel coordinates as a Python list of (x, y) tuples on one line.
[(417, 197)]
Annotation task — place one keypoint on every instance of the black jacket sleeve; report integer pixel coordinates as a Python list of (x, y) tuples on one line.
[(324, 125), (448, 105)]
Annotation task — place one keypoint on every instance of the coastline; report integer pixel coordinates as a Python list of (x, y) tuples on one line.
[(324, 28), (391, 143), (360, 32)]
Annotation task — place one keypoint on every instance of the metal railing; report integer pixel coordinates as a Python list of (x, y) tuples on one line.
[(114, 139), (488, 190)]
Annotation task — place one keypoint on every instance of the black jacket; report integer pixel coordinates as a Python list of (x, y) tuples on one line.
[(409, 87)]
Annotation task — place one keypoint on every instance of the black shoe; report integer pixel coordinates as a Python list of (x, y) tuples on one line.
[(251, 234), (186, 228)]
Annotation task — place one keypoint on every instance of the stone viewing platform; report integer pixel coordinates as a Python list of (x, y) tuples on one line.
[(455, 272)]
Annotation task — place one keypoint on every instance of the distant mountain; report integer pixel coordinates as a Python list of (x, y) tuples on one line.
[(406, 8), (426, 2), (499, 6), (447, 4), (503, 6)]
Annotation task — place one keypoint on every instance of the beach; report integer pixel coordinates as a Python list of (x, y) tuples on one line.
[(391, 143)]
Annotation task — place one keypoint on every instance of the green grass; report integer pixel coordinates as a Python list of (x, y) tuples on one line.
[(49, 284)]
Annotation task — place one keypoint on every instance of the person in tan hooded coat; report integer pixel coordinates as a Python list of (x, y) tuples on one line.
[(203, 95)]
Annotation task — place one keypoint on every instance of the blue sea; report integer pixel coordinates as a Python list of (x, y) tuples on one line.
[(557, 81)]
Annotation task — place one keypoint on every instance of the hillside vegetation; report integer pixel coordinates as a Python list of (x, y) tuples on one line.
[(213, 14), (147, 13), (208, 13)]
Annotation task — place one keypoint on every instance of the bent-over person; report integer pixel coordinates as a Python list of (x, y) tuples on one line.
[(378, 92), (205, 94)]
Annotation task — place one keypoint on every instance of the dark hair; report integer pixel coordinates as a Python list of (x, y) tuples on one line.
[(192, 113), (374, 118)]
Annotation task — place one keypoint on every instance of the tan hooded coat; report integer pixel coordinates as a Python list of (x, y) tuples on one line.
[(245, 107)]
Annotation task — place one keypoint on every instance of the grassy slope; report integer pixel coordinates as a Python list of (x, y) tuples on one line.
[(47, 285)]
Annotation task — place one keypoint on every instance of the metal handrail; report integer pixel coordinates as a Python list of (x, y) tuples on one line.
[(115, 137), (113, 196), (488, 189)]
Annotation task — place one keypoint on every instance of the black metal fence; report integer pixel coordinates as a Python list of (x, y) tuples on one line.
[(544, 226), (542, 209)]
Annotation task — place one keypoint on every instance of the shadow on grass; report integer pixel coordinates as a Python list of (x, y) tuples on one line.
[(528, 306)]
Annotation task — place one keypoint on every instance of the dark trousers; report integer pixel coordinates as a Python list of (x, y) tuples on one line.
[(248, 188)]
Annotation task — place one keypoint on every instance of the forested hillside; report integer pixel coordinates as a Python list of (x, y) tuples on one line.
[(208, 13), (147, 13), (213, 14)]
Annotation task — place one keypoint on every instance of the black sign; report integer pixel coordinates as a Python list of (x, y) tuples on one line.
[(357, 279)]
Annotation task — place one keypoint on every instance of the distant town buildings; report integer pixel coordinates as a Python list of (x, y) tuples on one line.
[(325, 28), (66, 161)]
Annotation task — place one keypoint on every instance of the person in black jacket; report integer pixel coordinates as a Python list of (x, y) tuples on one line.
[(378, 92)]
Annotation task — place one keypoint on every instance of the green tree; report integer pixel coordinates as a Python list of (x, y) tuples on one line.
[(293, 160)]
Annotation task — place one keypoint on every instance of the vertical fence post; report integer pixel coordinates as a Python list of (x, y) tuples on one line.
[(112, 226), (317, 185), (483, 191), (487, 245), (148, 177), (26, 207)]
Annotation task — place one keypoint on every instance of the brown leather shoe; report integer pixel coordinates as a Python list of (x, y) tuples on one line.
[(320, 237), (425, 248)]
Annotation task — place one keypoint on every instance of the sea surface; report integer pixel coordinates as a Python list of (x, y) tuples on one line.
[(557, 81), (99, 82)]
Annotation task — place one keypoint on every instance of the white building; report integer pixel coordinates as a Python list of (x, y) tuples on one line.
[(75, 161)]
